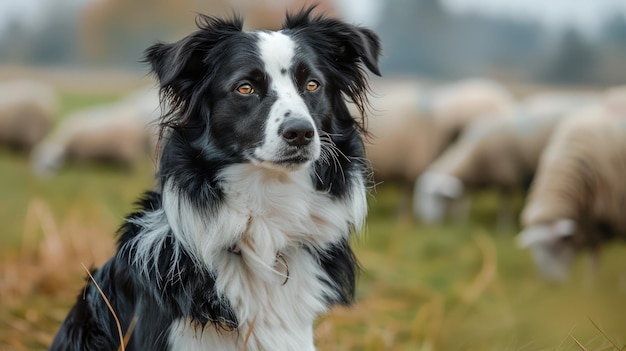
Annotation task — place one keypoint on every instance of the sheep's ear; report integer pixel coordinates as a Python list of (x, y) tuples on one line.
[(177, 66), (533, 235), (564, 228), (539, 234)]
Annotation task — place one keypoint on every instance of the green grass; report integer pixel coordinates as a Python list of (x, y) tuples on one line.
[(447, 287)]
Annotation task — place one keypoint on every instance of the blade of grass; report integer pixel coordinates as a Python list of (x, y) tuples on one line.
[(106, 300), (248, 333), (578, 343), (129, 333), (604, 334)]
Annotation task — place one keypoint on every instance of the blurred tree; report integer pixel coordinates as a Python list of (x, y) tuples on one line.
[(51, 41), (614, 31), (613, 51), (422, 37), (574, 60), (56, 42), (269, 14), (115, 32)]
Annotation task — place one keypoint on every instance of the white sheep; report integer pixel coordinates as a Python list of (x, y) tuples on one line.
[(402, 136), (615, 100), (27, 112), (457, 104), (498, 153), (412, 124), (556, 102), (578, 198), (121, 133)]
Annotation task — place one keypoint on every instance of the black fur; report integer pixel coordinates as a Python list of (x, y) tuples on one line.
[(195, 76)]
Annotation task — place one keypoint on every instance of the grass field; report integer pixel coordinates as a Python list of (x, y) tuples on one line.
[(448, 287)]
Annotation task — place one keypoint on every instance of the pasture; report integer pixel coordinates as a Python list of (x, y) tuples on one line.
[(455, 286)]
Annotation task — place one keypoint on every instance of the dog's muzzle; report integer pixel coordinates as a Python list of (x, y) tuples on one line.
[(297, 132)]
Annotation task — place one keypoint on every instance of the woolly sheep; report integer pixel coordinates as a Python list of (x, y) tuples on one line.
[(578, 198), (456, 105), (120, 132), (402, 138), (500, 153), (27, 112), (546, 103), (615, 100), (412, 124)]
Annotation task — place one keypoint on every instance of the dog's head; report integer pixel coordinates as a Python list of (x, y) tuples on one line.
[(269, 98)]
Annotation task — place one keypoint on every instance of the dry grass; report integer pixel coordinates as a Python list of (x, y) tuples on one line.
[(38, 282), (423, 288)]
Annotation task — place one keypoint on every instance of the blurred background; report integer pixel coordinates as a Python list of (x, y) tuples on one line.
[(498, 142)]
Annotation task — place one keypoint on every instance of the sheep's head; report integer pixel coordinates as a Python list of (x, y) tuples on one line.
[(433, 192), (551, 247), (46, 158)]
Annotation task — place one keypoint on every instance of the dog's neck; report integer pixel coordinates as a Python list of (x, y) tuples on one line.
[(263, 212)]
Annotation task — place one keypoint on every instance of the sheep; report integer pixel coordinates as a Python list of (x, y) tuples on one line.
[(615, 100), (121, 133), (455, 105), (401, 142), (501, 153), (411, 124), (557, 102), (578, 198), (27, 112)]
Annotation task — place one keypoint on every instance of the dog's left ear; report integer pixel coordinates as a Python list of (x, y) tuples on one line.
[(363, 44), (344, 45)]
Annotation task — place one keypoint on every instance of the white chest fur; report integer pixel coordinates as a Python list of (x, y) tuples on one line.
[(265, 212)]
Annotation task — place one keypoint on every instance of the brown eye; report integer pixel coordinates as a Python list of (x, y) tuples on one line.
[(312, 85), (245, 89)]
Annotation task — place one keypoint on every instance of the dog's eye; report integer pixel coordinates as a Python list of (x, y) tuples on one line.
[(245, 89), (312, 85)]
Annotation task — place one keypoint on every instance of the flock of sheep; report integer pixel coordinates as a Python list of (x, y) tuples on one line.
[(567, 149), (121, 133)]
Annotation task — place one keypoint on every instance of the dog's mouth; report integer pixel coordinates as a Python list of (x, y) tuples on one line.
[(289, 161)]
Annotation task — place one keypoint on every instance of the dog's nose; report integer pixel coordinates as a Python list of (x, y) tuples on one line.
[(298, 132)]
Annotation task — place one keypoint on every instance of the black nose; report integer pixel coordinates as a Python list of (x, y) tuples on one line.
[(297, 132)]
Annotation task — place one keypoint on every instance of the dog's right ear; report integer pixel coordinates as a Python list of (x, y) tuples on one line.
[(180, 65)]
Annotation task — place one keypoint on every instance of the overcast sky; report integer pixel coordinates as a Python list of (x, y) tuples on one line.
[(585, 14), (30, 13)]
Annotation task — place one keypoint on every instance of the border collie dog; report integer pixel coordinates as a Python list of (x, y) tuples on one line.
[(262, 180)]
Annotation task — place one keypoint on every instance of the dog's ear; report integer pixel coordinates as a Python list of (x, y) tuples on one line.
[(358, 44), (345, 45), (178, 65)]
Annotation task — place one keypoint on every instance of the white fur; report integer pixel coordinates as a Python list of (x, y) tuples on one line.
[(277, 51), (265, 212)]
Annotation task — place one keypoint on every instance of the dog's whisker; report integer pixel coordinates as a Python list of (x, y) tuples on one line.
[(332, 152), (318, 176)]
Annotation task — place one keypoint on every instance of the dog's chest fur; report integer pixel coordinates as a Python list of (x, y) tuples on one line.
[(264, 215)]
